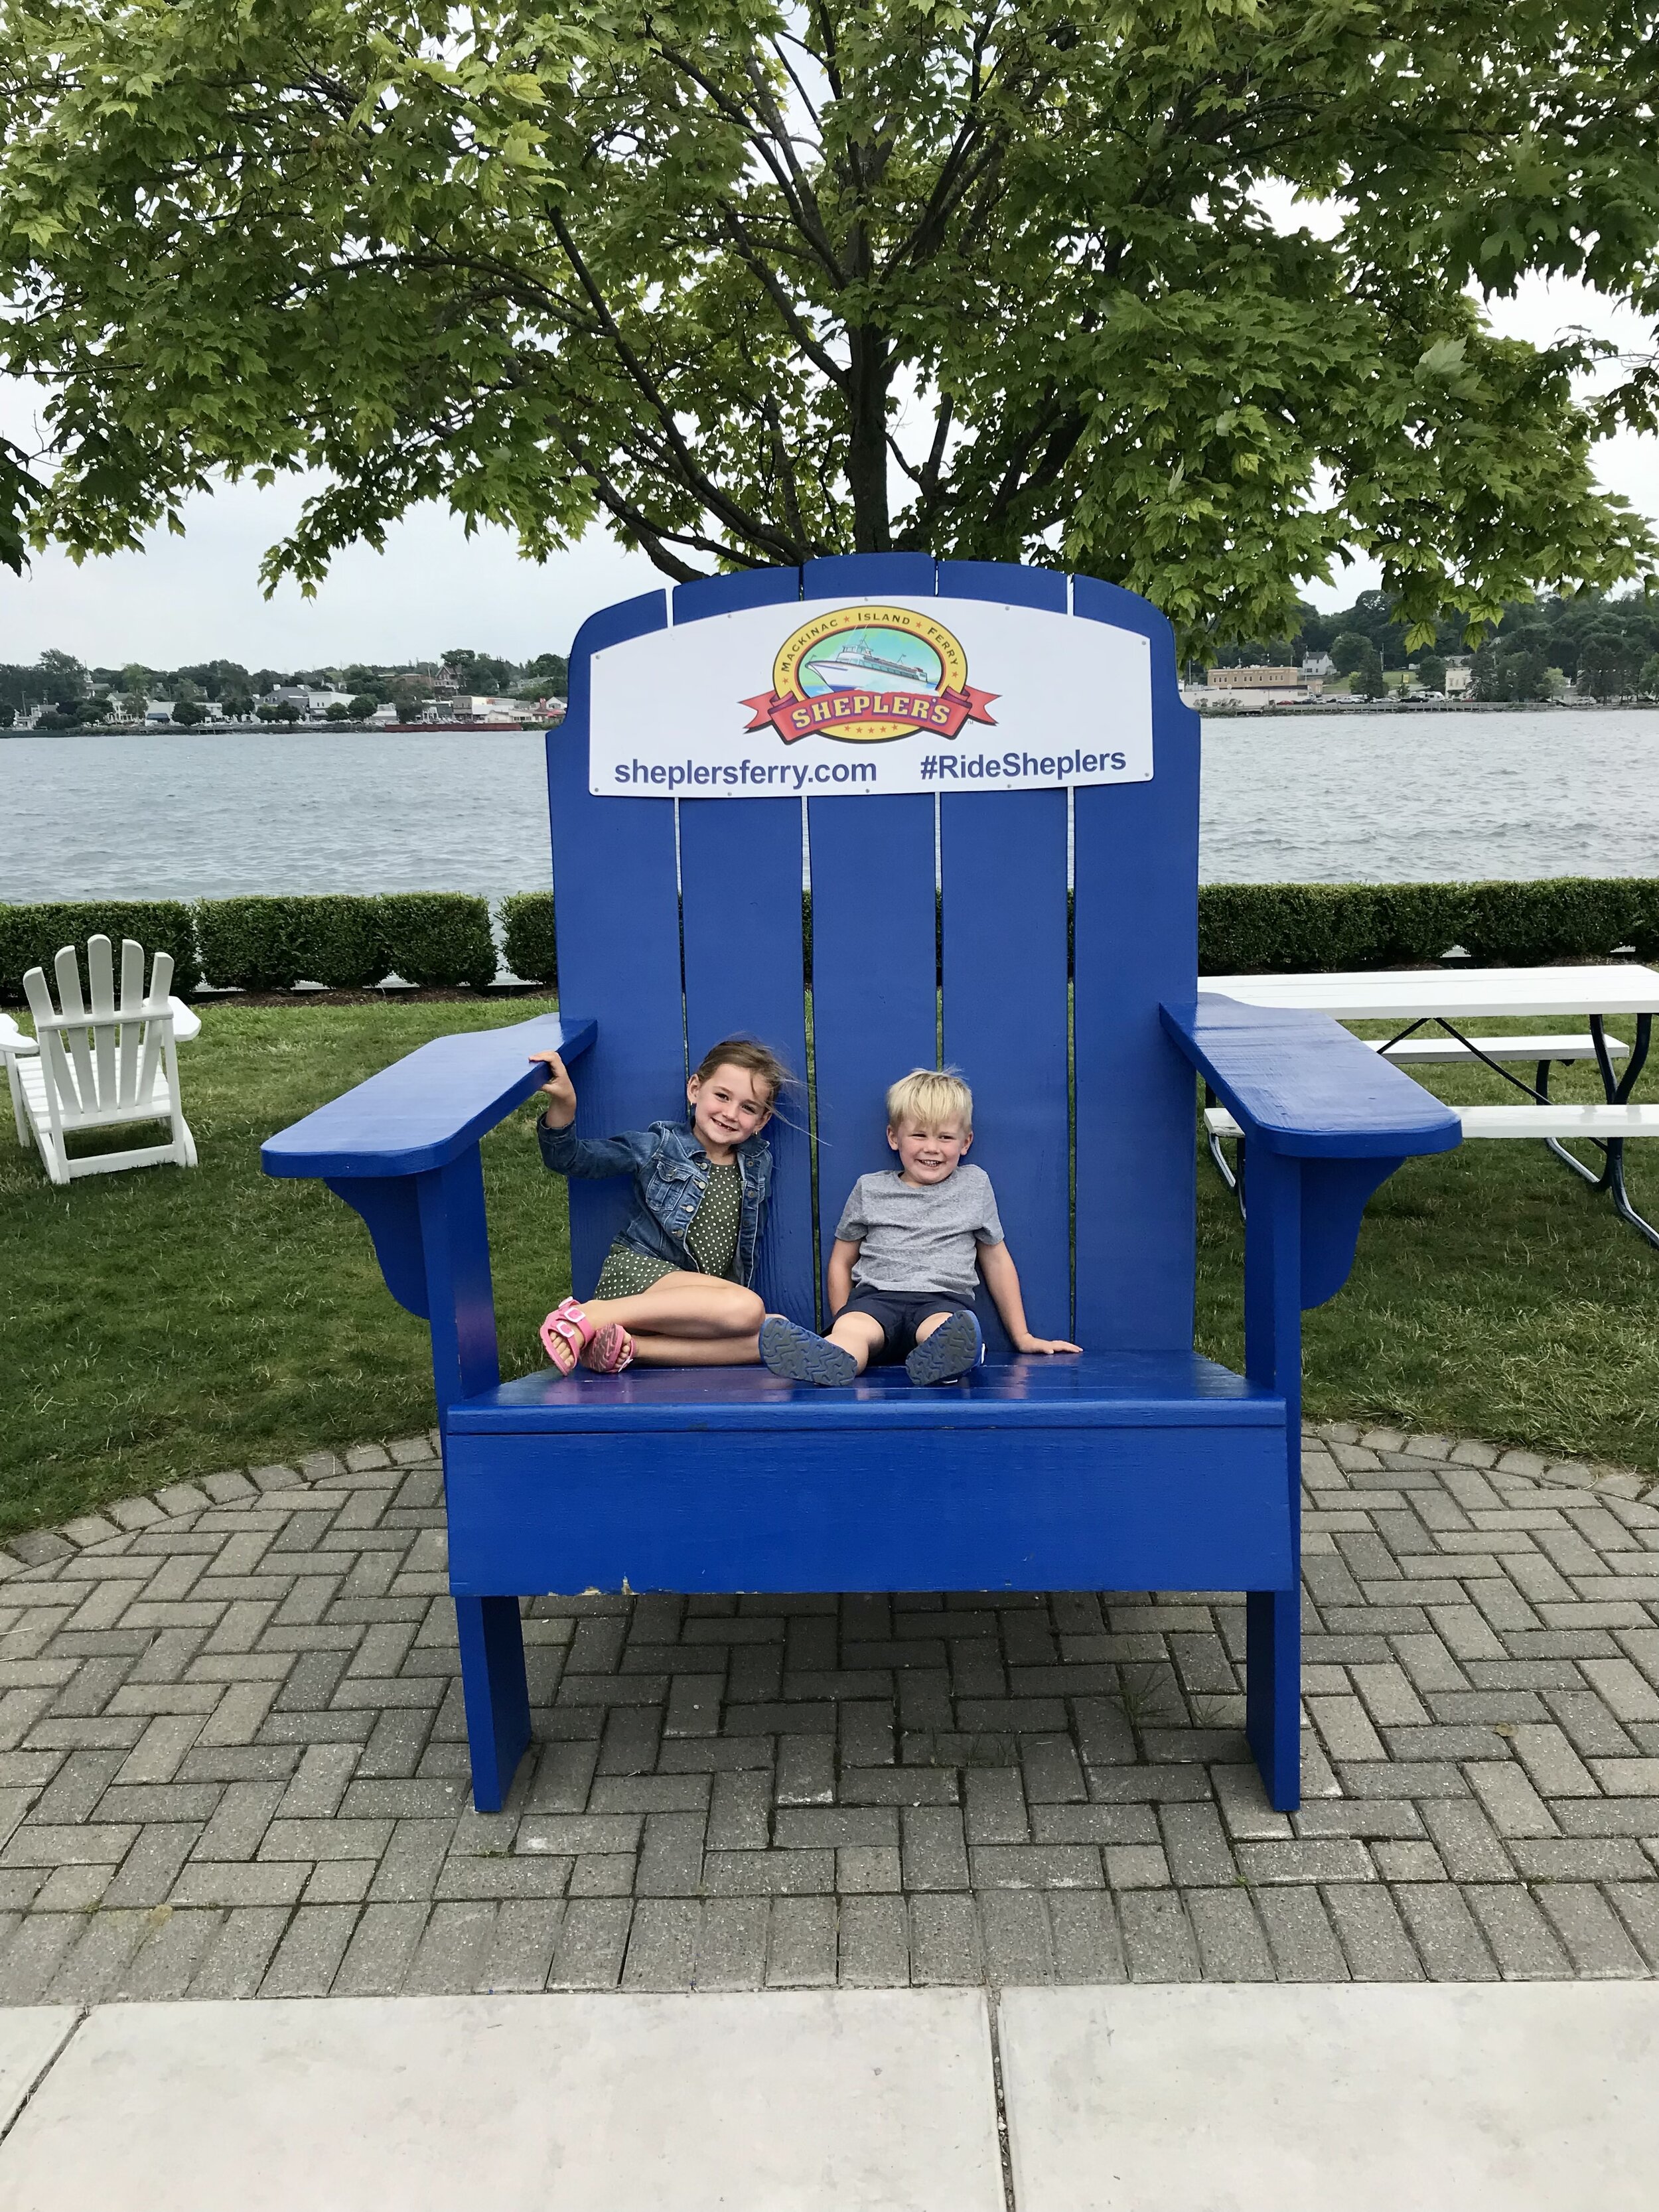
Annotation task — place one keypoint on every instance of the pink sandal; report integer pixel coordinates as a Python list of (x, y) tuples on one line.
[(566, 1334), (609, 1351)]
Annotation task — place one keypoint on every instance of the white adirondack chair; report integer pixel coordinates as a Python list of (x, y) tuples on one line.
[(100, 1066)]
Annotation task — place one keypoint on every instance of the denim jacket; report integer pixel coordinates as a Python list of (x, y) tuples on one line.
[(670, 1178)]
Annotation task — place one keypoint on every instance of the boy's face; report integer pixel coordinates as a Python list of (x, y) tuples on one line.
[(728, 1106), (929, 1152)]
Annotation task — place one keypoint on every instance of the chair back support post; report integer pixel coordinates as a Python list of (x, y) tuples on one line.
[(460, 1298)]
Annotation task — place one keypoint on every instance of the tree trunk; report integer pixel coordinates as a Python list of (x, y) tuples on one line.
[(867, 441)]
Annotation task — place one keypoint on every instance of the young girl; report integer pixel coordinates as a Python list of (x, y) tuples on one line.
[(674, 1288)]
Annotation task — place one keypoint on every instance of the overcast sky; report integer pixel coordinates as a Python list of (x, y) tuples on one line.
[(195, 598)]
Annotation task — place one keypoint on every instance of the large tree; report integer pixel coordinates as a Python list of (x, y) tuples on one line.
[(753, 281)]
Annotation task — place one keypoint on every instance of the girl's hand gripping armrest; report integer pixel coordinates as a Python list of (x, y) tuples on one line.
[(559, 1091)]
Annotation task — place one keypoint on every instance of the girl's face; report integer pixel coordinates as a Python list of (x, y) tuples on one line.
[(727, 1107)]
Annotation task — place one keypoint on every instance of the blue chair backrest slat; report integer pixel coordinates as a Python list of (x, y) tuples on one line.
[(1135, 943), (1005, 1025), (1116, 1271), (740, 908), (740, 898), (1002, 860), (617, 906), (875, 993)]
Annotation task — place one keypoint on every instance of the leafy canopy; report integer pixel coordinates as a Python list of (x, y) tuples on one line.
[(752, 282)]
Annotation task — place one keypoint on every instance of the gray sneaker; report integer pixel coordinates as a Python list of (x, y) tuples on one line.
[(949, 1353), (801, 1356)]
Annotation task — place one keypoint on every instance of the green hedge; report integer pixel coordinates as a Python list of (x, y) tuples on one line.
[(272, 944), (433, 939), (31, 936), (342, 942), (249, 944), (529, 944), (1260, 929), (441, 938)]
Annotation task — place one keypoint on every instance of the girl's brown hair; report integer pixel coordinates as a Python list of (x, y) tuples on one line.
[(756, 1059)]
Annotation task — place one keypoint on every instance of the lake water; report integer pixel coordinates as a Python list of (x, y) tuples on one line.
[(1315, 799)]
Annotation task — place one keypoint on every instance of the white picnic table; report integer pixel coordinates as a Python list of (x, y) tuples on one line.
[(1447, 997)]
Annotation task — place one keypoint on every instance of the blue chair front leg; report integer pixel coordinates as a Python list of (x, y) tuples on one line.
[(1273, 1691), (1273, 1357), (496, 1694)]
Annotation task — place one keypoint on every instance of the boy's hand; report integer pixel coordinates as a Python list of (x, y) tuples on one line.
[(1044, 1344), (559, 1091)]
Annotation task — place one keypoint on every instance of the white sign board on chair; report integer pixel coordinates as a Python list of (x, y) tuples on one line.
[(862, 699)]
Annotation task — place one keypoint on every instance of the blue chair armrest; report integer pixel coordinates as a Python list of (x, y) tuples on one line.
[(402, 1150), (425, 1110), (1325, 1120), (1300, 1084)]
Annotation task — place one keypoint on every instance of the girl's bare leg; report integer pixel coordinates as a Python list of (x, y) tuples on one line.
[(696, 1351), (682, 1305)]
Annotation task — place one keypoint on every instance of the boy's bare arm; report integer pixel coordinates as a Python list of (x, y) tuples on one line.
[(559, 1091), (1002, 1280), (839, 1273)]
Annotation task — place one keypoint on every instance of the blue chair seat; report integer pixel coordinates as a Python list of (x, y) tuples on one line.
[(1087, 1473), (1100, 1390)]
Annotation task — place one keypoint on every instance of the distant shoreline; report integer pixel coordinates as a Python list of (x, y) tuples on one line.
[(302, 729), (1339, 706), (1231, 714)]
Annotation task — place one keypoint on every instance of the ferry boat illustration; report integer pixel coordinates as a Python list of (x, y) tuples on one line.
[(857, 666)]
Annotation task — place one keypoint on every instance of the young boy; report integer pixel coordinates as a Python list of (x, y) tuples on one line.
[(902, 1274)]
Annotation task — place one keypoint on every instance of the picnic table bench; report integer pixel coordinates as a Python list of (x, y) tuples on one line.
[(940, 929)]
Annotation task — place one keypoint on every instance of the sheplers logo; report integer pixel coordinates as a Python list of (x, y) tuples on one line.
[(868, 674)]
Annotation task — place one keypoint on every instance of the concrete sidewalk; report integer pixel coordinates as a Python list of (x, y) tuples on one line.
[(1440, 2099)]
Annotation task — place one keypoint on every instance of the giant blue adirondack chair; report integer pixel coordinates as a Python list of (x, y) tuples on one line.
[(1137, 1466)]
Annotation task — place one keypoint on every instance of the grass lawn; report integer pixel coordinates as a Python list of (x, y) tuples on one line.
[(161, 1324), (164, 1322)]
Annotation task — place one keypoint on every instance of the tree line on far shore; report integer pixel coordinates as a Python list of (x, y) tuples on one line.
[(1605, 647), (76, 696)]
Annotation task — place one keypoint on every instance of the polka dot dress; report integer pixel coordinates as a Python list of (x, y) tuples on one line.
[(712, 1238), (712, 1241)]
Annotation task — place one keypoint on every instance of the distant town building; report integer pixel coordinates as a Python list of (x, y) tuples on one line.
[(311, 703), (1255, 679), (1460, 674), (1254, 687), (488, 708)]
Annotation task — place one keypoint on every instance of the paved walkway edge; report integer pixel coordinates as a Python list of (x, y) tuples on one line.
[(1146, 2099)]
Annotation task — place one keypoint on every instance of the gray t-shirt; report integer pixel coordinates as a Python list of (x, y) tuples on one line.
[(920, 1237)]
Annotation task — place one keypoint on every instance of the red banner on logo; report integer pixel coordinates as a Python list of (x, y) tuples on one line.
[(942, 713)]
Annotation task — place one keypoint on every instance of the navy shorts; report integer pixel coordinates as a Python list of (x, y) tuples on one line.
[(900, 1313)]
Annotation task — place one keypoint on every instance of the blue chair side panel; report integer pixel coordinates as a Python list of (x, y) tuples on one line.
[(1145, 1509)]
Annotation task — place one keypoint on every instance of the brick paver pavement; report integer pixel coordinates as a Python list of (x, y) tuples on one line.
[(232, 1758)]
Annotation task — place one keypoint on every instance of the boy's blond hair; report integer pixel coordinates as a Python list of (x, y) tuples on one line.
[(928, 1097)]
